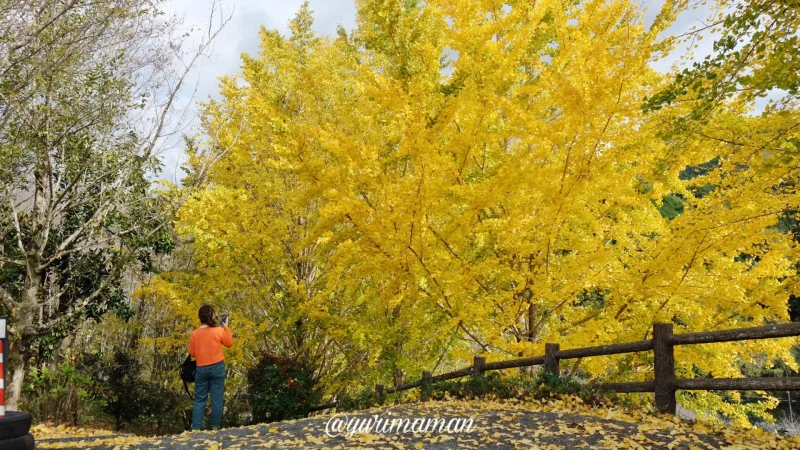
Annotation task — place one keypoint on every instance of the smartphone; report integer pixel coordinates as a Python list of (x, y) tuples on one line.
[(224, 319)]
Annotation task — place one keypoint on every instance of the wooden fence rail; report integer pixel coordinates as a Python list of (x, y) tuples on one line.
[(664, 383)]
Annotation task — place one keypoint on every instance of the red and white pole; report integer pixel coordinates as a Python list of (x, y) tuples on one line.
[(3, 325), (2, 381)]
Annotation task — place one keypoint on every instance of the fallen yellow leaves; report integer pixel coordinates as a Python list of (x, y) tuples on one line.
[(558, 424), (118, 442), (49, 431)]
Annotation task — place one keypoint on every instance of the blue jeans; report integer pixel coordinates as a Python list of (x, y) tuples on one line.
[(208, 380)]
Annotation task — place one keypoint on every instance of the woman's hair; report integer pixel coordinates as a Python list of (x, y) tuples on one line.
[(206, 315)]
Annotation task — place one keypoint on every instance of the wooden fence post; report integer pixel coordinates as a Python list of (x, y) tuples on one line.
[(551, 359), (664, 368), (426, 384), (477, 365)]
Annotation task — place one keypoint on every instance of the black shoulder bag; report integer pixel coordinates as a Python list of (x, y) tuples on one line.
[(188, 369)]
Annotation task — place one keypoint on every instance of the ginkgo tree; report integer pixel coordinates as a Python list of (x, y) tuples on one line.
[(457, 177)]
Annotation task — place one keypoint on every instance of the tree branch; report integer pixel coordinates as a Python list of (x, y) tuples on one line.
[(6, 299)]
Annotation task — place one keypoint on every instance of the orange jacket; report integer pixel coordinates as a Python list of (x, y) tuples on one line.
[(205, 344)]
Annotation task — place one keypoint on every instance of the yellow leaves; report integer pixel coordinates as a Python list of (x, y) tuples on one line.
[(47, 431), (378, 201), (211, 445), (116, 442), (314, 440)]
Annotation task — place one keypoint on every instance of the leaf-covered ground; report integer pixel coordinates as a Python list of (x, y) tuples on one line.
[(562, 424)]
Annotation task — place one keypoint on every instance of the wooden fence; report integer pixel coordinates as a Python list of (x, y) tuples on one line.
[(664, 384)]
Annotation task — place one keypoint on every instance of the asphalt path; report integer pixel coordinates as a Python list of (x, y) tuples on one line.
[(493, 425)]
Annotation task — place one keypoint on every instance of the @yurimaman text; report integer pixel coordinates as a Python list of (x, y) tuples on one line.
[(344, 425)]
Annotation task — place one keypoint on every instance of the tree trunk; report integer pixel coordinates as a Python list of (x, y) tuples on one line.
[(19, 360), (17, 378), (28, 306), (22, 335)]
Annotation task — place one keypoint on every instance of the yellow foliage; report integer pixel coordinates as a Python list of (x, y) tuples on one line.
[(458, 177)]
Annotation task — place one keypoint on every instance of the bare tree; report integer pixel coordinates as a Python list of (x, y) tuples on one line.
[(87, 93)]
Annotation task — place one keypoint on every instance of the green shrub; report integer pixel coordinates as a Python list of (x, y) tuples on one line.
[(352, 402), (237, 410), (280, 389), (61, 395), (156, 410), (472, 387), (134, 403), (490, 385), (549, 385), (544, 385)]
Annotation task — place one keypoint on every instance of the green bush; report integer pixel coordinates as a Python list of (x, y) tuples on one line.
[(549, 385), (237, 409), (280, 389), (490, 385), (472, 387), (352, 402), (133, 403), (543, 386), (61, 395)]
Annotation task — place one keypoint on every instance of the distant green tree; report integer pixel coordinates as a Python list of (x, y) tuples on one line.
[(758, 52), (671, 206), (86, 90)]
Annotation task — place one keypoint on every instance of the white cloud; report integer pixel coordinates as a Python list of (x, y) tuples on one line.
[(239, 36)]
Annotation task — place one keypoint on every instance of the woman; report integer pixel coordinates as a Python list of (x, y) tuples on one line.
[(205, 346)]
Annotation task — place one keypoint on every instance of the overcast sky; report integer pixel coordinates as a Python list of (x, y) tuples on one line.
[(241, 36)]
